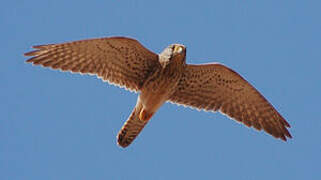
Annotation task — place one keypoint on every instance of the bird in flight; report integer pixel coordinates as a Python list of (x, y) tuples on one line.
[(160, 78)]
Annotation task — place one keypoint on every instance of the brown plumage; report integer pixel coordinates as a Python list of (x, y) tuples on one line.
[(159, 78), (215, 87)]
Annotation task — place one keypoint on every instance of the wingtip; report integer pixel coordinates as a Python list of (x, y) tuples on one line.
[(287, 124), (289, 135), (31, 60), (39, 46), (35, 52), (286, 136), (31, 53)]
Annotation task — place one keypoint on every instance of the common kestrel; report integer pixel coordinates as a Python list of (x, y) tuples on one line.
[(163, 78)]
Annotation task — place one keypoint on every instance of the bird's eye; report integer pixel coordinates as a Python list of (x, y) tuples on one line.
[(178, 49)]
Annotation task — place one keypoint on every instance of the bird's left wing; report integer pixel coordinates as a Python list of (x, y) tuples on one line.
[(118, 60), (215, 87)]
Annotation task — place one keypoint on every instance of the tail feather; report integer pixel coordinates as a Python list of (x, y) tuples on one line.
[(132, 127)]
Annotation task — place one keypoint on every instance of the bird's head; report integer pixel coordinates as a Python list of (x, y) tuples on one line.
[(173, 54)]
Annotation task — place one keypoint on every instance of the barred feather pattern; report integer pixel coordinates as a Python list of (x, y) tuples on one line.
[(132, 127), (118, 60)]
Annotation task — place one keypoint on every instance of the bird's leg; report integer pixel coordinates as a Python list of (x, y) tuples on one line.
[(144, 115)]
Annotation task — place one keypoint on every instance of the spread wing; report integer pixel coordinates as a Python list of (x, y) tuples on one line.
[(118, 60), (215, 87)]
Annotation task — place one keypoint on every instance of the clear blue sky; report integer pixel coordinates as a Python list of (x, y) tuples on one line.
[(56, 125)]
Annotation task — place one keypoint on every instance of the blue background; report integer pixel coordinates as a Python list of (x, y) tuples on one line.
[(57, 125)]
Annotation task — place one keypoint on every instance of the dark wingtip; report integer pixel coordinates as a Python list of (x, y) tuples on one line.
[(31, 60), (31, 53), (286, 123), (39, 46), (289, 135), (285, 135), (35, 52)]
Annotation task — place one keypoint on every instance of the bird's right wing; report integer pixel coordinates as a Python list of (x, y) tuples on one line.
[(215, 87), (118, 60)]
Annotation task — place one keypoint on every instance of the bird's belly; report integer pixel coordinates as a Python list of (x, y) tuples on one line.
[(153, 98), (151, 102)]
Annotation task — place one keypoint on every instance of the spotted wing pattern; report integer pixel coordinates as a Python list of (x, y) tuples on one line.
[(118, 60), (215, 87)]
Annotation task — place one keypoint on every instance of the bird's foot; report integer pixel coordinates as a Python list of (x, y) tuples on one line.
[(145, 116)]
